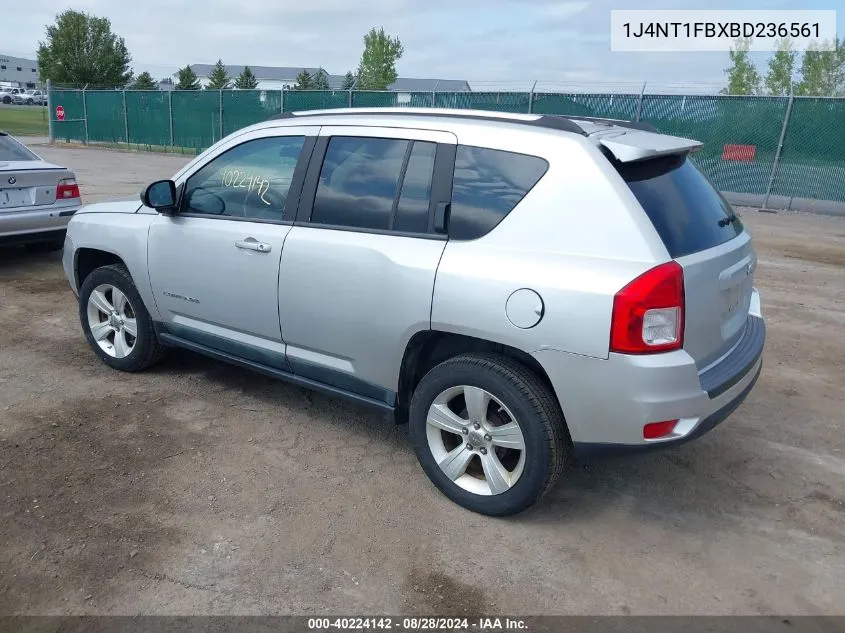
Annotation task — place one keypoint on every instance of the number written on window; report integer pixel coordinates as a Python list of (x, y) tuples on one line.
[(248, 181), (238, 179)]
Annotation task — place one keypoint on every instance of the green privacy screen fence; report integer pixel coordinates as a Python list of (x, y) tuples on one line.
[(778, 146)]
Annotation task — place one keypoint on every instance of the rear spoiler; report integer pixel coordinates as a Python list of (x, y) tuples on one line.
[(628, 145), (632, 141)]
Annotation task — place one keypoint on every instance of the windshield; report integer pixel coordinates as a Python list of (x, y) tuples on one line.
[(11, 150)]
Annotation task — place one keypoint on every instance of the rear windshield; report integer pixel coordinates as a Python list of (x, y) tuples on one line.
[(683, 205), (11, 150)]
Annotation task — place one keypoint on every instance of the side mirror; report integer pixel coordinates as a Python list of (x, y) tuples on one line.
[(161, 196)]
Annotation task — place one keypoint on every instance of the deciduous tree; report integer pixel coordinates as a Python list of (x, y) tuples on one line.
[(823, 71), (81, 48), (743, 78), (377, 69), (781, 68)]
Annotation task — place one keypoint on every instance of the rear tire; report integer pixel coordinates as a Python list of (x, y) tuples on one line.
[(478, 462), (116, 323), (7, 100)]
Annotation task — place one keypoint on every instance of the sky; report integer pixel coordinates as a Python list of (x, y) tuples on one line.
[(494, 44)]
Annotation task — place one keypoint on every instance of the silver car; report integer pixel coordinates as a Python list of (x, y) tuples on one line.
[(37, 198), (519, 289)]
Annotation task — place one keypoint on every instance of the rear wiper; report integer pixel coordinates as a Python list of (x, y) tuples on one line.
[(725, 221)]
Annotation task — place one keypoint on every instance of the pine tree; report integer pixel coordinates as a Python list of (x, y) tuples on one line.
[(348, 81), (320, 80), (145, 81), (187, 79), (218, 79), (303, 81), (246, 80)]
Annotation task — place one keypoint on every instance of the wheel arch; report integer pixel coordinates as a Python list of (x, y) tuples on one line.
[(87, 260), (428, 348)]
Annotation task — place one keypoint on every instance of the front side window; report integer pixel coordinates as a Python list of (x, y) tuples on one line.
[(375, 183), (249, 181), (488, 185)]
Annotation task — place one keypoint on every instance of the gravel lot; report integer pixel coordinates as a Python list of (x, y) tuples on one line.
[(201, 488)]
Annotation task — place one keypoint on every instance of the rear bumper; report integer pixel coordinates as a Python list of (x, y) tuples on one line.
[(36, 224), (607, 402)]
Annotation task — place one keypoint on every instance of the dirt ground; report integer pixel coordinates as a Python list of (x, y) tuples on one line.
[(199, 488)]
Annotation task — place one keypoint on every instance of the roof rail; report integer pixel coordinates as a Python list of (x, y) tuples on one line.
[(536, 120), (634, 125)]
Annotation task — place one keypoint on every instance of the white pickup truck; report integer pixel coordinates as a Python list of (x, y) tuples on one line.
[(9, 95)]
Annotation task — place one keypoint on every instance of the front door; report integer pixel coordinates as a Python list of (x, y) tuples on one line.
[(214, 265)]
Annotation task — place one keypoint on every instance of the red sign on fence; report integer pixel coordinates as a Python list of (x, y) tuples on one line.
[(60, 113), (744, 153)]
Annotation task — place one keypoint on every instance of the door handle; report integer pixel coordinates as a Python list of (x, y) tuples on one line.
[(251, 244)]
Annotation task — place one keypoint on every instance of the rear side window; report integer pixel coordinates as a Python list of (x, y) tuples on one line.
[(682, 204), (488, 185), (375, 183), (11, 150)]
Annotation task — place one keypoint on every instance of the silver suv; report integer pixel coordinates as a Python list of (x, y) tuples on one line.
[(520, 289)]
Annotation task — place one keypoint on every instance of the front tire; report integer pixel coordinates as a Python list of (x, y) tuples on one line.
[(116, 323), (488, 433)]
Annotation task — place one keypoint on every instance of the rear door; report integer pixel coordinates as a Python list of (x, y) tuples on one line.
[(701, 233), (358, 266)]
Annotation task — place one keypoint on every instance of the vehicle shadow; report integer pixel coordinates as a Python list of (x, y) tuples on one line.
[(296, 400), (13, 256), (676, 486)]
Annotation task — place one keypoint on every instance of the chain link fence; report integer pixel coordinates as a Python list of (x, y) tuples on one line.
[(784, 147)]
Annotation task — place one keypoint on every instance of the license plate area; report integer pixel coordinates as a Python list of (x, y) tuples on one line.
[(15, 197)]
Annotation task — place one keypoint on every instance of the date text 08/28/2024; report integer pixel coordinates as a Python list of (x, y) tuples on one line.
[(488, 624)]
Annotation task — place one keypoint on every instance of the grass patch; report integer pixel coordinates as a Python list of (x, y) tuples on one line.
[(24, 120), (129, 147)]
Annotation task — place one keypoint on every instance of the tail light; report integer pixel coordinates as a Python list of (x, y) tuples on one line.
[(66, 189), (648, 313)]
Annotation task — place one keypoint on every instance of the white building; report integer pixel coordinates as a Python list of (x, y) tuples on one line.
[(281, 77), (19, 72), (269, 77)]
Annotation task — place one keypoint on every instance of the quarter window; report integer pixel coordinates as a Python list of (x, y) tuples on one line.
[(488, 184), (249, 181)]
